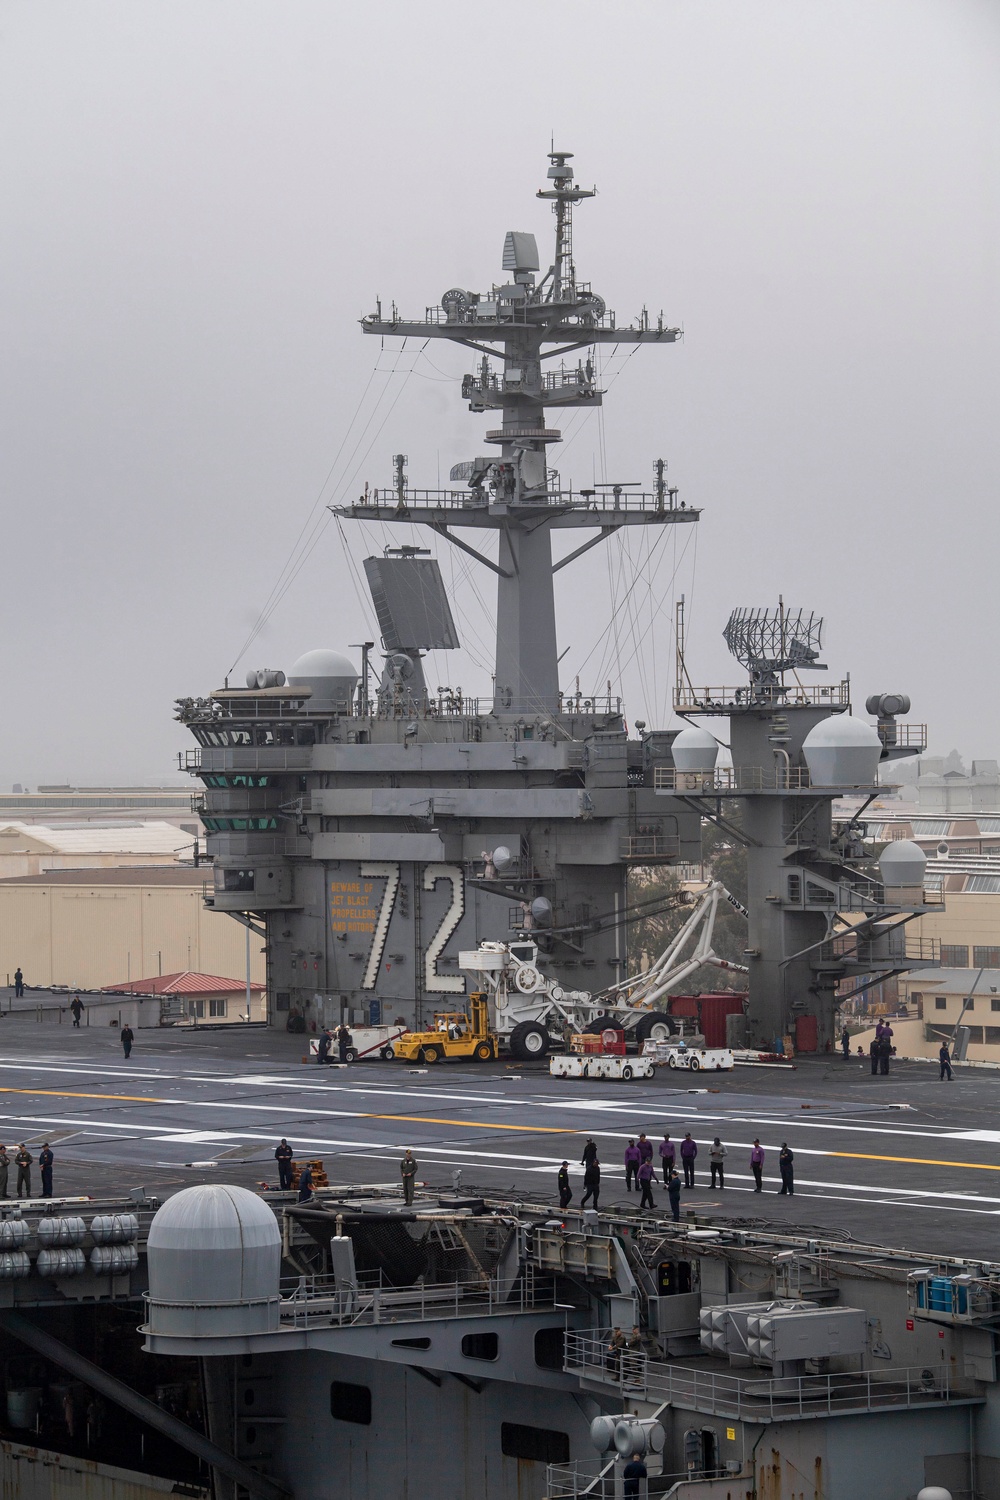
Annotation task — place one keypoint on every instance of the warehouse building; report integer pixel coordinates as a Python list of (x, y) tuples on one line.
[(34, 848), (87, 929)]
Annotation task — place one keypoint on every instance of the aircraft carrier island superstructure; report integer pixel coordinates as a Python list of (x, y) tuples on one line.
[(371, 835), (360, 830)]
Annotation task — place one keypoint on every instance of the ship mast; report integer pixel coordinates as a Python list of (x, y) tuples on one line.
[(513, 491)]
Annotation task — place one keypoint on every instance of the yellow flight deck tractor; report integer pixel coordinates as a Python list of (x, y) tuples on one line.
[(454, 1034)]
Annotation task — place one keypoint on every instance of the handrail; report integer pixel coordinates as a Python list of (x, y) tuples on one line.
[(319, 1301), (760, 1397)]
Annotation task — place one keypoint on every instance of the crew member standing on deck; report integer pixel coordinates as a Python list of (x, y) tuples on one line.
[(875, 1052), (757, 1165), (786, 1159), (944, 1058), (283, 1156), (305, 1183), (344, 1041), (408, 1172), (323, 1049), (589, 1151), (562, 1181), (668, 1157), (127, 1038), (645, 1148), (76, 1006), (845, 1044), (23, 1161), (18, 983), (4, 1173), (689, 1150), (644, 1177), (633, 1160), (717, 1161), (674, 1194), (45, 1160)]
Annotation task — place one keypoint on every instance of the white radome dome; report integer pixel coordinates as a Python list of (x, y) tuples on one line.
[(902, 863), (842, 751), (214, 1256), (694, 749), (322, 663), (332, 676)]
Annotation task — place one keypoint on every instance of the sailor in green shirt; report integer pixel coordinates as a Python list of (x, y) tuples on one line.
[(408, 1168)]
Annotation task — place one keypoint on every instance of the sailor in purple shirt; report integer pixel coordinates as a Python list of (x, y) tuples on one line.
[(645, 1180), (689, 1150), (645, 1147), (757, 1165), (633, 1157), (668, 1156)]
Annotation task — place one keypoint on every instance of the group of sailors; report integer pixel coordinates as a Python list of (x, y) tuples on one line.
[(640, 1170), (344, 1041)]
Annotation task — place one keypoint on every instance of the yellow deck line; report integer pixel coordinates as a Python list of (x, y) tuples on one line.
[(920, 1161), (61, 1094)]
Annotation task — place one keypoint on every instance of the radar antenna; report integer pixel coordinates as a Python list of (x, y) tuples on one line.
[(771, 642)]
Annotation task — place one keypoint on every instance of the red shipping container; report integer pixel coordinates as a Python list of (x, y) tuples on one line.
[(713, 1010), (806, 1034), (710, 1012)]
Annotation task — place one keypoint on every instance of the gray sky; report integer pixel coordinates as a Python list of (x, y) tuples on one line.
[(200, 201)]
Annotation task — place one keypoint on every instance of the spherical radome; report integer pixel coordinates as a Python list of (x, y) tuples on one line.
[(694, 749), (842, 751), (902, 863), (331, 676), (214, 1255), (933, 1492), (322, 663)]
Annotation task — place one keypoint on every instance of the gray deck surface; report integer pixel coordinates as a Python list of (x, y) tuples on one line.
[(904, 1160)]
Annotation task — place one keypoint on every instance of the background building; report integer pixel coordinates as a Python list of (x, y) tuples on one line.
[(199, 997), (34, 848), (87, 929), (107, 804)]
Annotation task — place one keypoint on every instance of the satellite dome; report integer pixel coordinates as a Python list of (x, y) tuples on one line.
[(695, 749), (842, 751), (214, 1255), (331, 676), (902, 863)]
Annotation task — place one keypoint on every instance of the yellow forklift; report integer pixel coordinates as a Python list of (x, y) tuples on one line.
[(454, 1034)]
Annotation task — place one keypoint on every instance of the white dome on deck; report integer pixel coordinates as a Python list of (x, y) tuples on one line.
[(902, 864), (214, 1255), (842, 751), (332, 677), (694, 749)]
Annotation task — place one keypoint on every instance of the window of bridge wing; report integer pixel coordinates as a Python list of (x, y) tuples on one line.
[(481, 1346), (549, 1345), (351, 1403), (237, 880), (540, 1444)]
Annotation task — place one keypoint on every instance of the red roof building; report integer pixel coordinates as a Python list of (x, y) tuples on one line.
[(202, 986)]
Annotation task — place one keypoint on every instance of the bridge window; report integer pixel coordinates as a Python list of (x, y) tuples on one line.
[(954, 956), (481, 1346), (539, 1444), (549, 1348), (351, 1403)]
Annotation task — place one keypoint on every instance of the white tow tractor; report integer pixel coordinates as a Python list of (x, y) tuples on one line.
[(598, 1065), (532, 1011), (691, 1059)]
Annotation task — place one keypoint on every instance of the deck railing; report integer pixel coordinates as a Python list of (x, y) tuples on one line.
[(761, 1398), (318, 1301)]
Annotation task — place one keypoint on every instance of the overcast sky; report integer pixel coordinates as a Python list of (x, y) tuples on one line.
[(200, 201)]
